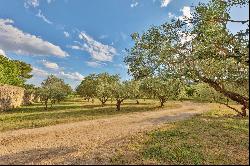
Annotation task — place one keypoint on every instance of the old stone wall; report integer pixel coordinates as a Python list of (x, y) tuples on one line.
[(10, 97)]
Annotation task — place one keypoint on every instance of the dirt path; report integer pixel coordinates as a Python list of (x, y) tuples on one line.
[(79, 143)]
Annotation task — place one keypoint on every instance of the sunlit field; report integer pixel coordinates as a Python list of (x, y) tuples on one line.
[(215, 137), (72, 110)]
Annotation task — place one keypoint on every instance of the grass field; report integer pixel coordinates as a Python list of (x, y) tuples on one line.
[(216, 137), (71, 110)]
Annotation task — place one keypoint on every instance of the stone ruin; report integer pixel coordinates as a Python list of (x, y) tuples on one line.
[(10, 97)]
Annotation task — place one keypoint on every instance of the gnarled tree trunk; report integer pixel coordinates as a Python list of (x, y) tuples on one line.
[(162, 101), (244, 101), (118, 104)]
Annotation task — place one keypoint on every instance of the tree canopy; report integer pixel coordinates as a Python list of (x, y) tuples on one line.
[(162, 89), (14, 72), (53, 89), (200, 48)]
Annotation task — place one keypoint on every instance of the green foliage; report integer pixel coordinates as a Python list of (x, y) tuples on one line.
[(53, 89), (203, 92), (13, 72), (161, 89), (200, 48), (88, 86), (105, 84)]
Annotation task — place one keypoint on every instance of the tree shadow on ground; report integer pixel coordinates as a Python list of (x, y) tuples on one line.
[(65, 106), (35, 156)]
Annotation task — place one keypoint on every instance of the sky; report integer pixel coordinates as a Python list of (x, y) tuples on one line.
[(74, 38)]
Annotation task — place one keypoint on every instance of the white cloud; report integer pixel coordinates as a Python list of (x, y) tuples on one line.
[(95, 64), (186, 12), (39, 72), (121, 66), (185, 37), (98, 51), (171, 15), (2, 52), (34, 3), (186, 15), (66, 34), (164, 3), (50, 65), (31, 3), (14, 40), (40, 15), (134, 4), (74, 76), (103, 36), (75, 47)]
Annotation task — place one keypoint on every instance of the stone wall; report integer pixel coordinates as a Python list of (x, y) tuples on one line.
[(10, 97)]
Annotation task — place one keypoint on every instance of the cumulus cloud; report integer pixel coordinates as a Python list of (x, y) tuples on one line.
[(73, 76), (186, 13), (39, 72), (134, 4), (2, 52), (66, 34), (50, 65), (14, 40), (164, 3), (31, 3), (97, 50), (40, 15)]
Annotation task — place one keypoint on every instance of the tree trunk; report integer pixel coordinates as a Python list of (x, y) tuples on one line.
[(244, 101), (137, 102), (162, 101), (118, 105), (46, 104)]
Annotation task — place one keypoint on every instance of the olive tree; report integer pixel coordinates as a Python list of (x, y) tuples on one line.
[(162, 89), (134, 89), (53, 89), (87, 88), (104, 86), (120, 92), (200, 48)]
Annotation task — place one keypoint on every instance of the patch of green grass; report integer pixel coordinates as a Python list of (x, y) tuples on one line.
[(211, 138), (69, 111)]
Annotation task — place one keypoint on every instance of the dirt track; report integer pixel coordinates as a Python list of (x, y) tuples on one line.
[(82, 142)]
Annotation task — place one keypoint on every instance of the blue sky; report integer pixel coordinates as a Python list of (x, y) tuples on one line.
[(73, 38)]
